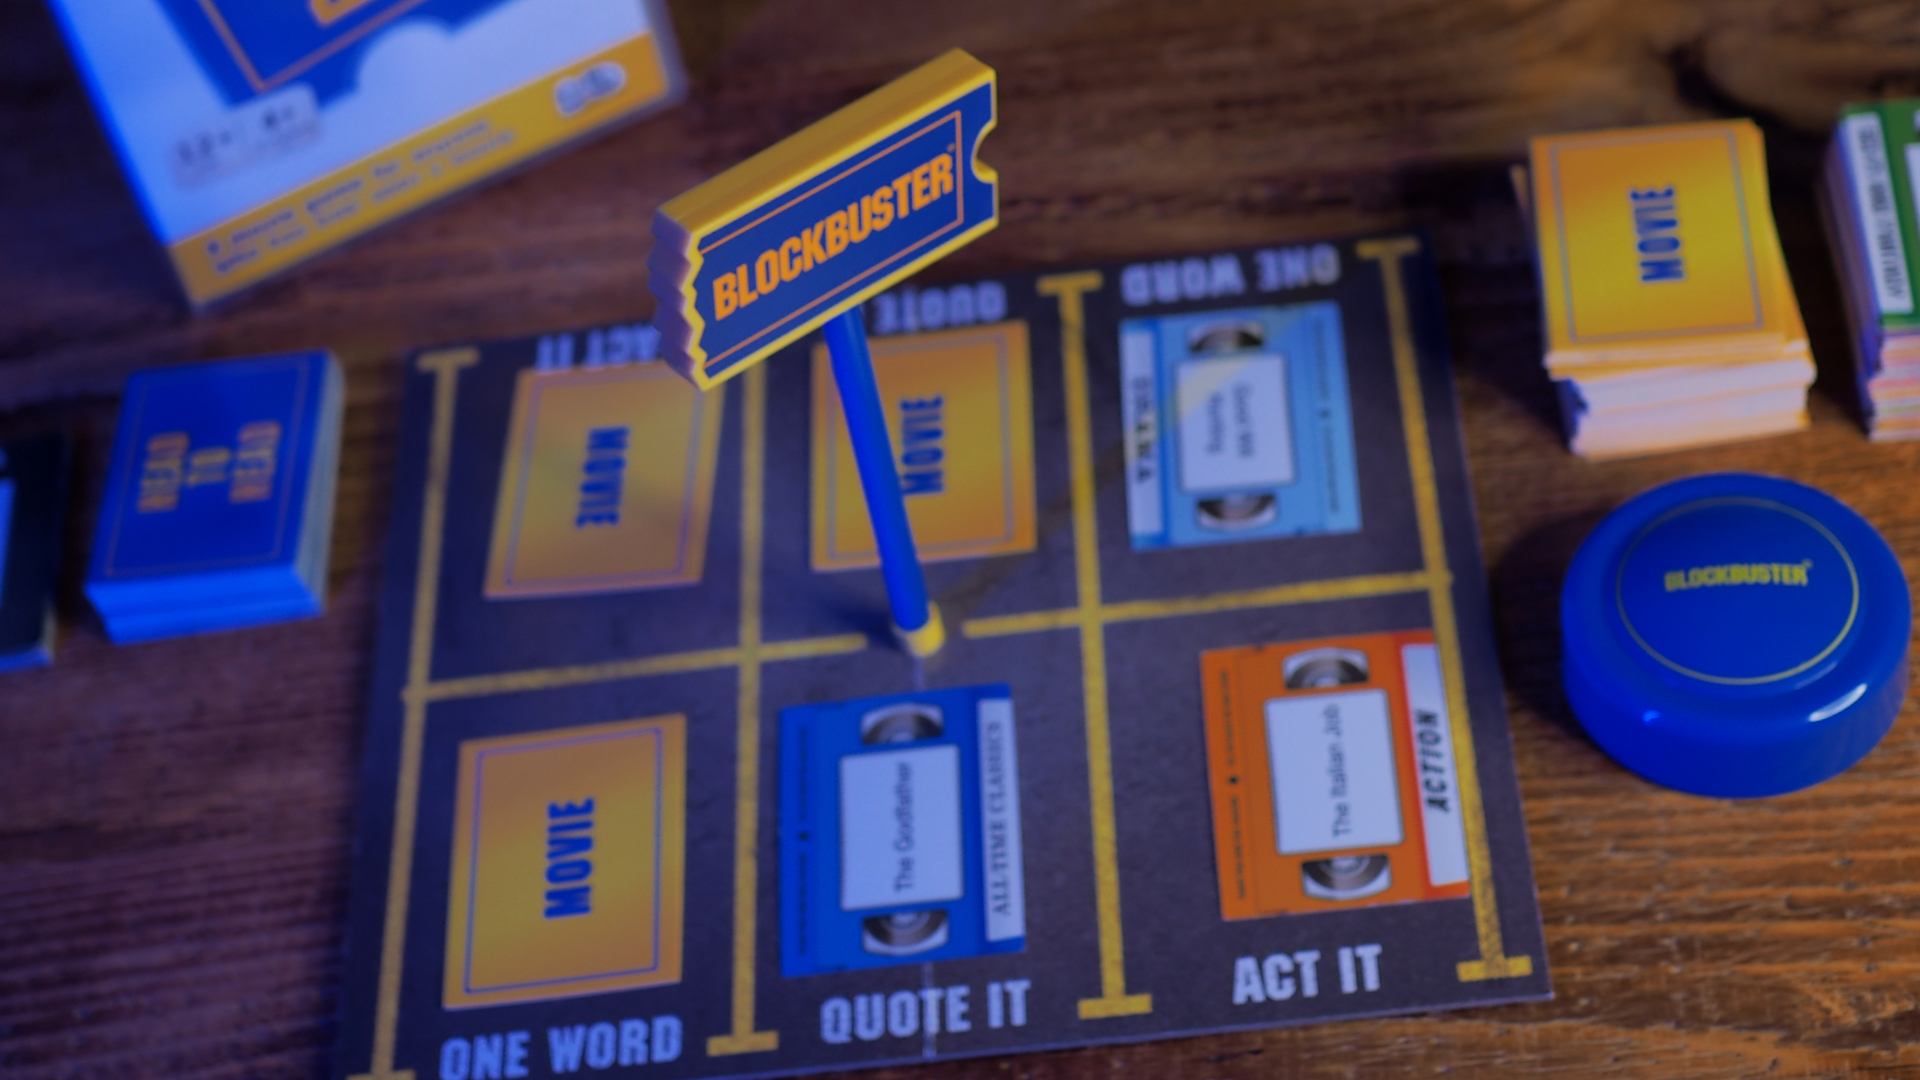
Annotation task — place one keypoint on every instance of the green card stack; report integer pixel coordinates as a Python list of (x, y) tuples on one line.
[(1868, 200)]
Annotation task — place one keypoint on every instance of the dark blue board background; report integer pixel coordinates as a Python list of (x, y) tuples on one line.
[(1177, 947)]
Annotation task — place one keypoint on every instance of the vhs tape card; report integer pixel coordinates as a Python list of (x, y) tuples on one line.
[(1332, 769), (1238, 426), (899, 830)]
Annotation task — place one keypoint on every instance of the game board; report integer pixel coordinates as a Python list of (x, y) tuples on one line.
[(663, 720)]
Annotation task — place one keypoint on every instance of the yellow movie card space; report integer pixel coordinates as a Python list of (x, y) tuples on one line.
[(569, 849), (1657, 232), (959, 407), (606, 484)]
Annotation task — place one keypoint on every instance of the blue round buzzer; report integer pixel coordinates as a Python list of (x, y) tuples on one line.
[(1735, 635)]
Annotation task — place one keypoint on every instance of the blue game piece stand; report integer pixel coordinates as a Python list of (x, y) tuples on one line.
[(916, 621)]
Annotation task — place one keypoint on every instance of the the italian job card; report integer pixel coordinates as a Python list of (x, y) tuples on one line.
[(1216, 740)]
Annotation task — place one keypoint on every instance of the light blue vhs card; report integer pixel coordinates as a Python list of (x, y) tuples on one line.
[(1238, 426)]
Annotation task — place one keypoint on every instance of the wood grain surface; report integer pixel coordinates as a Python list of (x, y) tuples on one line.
[(175, 818)]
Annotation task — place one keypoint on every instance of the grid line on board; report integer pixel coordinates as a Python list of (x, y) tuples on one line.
[(1493, 963)]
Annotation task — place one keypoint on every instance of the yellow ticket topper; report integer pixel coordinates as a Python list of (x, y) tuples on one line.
[(960, 405), (812, 226), (1657, 232), (606, 483), (569, 851)]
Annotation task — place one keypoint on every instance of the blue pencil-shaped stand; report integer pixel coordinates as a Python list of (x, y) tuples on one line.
[(916, 621)]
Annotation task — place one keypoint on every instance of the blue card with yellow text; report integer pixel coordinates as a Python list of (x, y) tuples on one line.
[(219, 497)]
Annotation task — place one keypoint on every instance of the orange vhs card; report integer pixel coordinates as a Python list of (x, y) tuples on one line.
[(1332, 772)]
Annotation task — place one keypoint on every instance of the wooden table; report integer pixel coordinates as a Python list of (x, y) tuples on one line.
[(175, 817)]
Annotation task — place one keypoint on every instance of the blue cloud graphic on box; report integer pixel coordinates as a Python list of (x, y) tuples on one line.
[(249, 49)]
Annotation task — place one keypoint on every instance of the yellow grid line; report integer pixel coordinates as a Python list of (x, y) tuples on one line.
[(1305, 592), (743, 1039), (445, 364), (1494, 963), (422, 690), (1090, 617), (511, 682), (1069, 290)]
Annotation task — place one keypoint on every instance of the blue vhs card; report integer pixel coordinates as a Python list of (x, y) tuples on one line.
[(899, 830), (1238, 426)]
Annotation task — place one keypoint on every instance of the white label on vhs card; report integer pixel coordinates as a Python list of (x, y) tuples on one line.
[(1140, 415), (1006, 896), (1333, 781), (1234, 429), (900, 828), (1433, 765)]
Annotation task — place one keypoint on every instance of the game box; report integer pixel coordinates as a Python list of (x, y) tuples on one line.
[(257, 133)]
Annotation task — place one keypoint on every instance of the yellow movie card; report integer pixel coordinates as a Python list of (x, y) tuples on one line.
[(569, 850), (1657, 232), (959, 408), (606, 484)]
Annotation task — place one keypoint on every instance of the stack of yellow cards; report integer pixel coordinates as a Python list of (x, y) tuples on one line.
[(1671, 321)]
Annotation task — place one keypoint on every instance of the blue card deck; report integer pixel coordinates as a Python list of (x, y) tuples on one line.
[(899, 830), (33, 487), (219, 500)]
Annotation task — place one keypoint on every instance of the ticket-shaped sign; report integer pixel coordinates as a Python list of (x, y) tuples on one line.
[(569, 849), (777, 245), (606, 484)]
